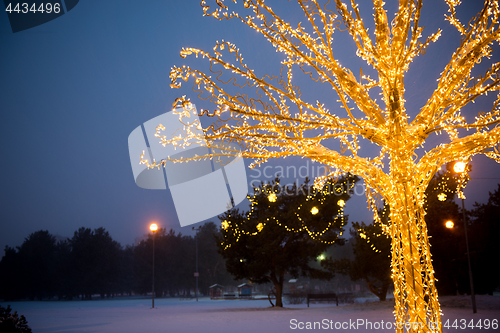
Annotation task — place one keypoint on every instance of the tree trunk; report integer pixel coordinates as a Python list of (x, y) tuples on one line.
[(278, 285), (412, 272), (279, 293)]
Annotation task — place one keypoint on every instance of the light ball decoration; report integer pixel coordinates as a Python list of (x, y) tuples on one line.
[(224, 224), (272, 197), (260, 226), (442, 196), (314, 210), (449, 224), (270, 118), (341, 203)]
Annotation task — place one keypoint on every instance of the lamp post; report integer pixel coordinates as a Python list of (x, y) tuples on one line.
[(461, 168), (153, 227), (196, 274)]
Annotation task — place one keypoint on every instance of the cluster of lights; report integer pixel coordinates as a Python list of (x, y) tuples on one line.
[(367, 236), (443, 187), (267, 127), (364, 235), (318, 196)]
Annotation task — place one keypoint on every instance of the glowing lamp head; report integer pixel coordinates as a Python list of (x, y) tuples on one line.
[(153, 227), (459, 167), (321, 257), (314, 210), (272, 197), (449, 224)]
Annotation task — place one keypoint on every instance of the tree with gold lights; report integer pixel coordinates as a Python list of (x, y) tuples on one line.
[(267, 116), (285, 230)]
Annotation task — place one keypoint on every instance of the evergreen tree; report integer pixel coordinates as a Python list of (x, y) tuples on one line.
[(485, 251), (63, 274), (211, 265), (94, 262), (11, 286), (284, 232), (37, 256), (12, 322)]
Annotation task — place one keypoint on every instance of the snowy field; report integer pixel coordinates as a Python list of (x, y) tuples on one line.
[(235, 316)]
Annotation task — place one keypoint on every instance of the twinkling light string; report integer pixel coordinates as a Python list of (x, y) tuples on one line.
[(269, 118), (301, 224)]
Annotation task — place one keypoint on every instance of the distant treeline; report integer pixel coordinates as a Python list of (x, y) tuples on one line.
[(91, 263)]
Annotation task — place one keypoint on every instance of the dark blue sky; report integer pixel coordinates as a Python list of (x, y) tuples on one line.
[(73, 89)]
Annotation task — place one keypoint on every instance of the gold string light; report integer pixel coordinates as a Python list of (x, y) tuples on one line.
[(235, 230), (269, 118)]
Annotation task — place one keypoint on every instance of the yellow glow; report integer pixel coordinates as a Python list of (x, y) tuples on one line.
[(321, 257), (442, 196), (153, 227), (260, 226), (314, 210), (449, 224), (341, 203), (459, 167), (272, 197), (224, 224), (271, 119)]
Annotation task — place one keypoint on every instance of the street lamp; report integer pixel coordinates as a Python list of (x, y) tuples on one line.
[(196, 274), (153, 227), (461, 168), (449, 224)]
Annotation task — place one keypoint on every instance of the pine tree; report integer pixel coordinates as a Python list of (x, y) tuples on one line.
[(284, 232)]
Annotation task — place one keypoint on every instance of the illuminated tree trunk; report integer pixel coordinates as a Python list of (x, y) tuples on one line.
[(412, 272)]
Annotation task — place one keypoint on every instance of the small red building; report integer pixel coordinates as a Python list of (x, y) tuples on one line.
[(216, 291)]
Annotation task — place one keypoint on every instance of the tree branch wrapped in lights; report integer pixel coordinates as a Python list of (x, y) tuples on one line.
[(277, 122)]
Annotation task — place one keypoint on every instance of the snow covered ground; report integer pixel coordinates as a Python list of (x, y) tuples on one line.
[(240, 316)]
